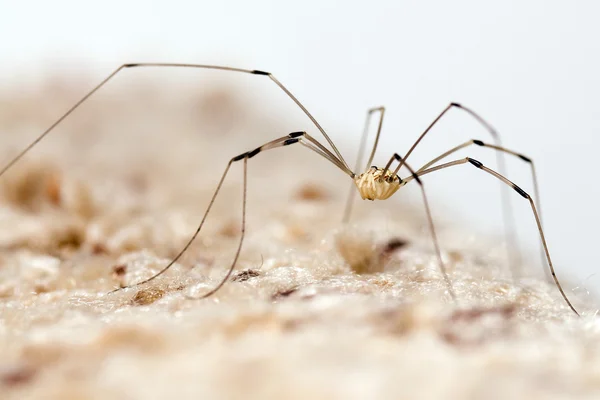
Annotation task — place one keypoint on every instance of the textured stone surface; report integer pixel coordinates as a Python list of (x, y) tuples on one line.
[(314, 309)]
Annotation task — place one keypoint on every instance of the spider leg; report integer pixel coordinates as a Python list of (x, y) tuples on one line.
[(171, 65), (292, 138), (477, 117), (361, 150), (507, 211), (523, 194), (381, 111), (507, 151), (436, 244)]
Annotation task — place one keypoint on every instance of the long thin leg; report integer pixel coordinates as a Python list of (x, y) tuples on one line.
[(499, 148), (520, 191), (376, 142), (505, 150), (482, 121), (292, 138), (175, 65), (361, 150), (436, 244), (507, 211), (243, 233)]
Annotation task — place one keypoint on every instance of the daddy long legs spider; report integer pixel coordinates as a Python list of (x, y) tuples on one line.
[(372, 183)]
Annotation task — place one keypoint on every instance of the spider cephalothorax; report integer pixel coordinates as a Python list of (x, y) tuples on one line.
[(377, 184)]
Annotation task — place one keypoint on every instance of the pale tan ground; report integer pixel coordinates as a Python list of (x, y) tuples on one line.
[(89, 211)]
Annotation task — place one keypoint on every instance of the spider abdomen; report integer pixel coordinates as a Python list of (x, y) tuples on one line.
[(375, 185)]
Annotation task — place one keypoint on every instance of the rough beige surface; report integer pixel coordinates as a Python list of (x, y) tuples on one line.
[(82, 216)]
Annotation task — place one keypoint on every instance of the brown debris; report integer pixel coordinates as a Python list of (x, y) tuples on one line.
[(32, 186), (53, 192), (469, 315), (41, 287), (38, 187), (475, 326), (400, 321), (245, 275), (70, 239), (283, 293), (358, 250), (455, 256), (99, 248), (148, 296), (119, 270), (363, 255), (17, 375), (230, 229), (392, 245), (312, 192)]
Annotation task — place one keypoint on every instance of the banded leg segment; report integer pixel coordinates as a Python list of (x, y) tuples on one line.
[(173, 65), (507, 211), (292, 138), (498, 148), (361, 150), (436, 244), (523, 194), (528, 160)]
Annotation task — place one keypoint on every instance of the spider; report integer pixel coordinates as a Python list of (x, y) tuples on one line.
[(373, 183)]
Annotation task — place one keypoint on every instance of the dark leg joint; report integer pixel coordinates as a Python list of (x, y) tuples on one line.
[(375, 109), (415, 176), (257, 72), (478, 142), (475, 162), (240, 157), (524, 158), (290, 141), (130, 65), (254, 152), (296, 134), (455, 105), (520, 191)]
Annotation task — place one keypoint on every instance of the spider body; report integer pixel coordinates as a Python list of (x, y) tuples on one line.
[(377, 184)]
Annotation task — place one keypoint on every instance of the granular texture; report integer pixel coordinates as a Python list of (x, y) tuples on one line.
[(314, 310)]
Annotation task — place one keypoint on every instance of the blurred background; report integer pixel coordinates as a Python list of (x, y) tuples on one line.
[(530, 68)]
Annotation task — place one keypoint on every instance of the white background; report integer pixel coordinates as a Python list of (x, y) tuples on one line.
[(530, 67)]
